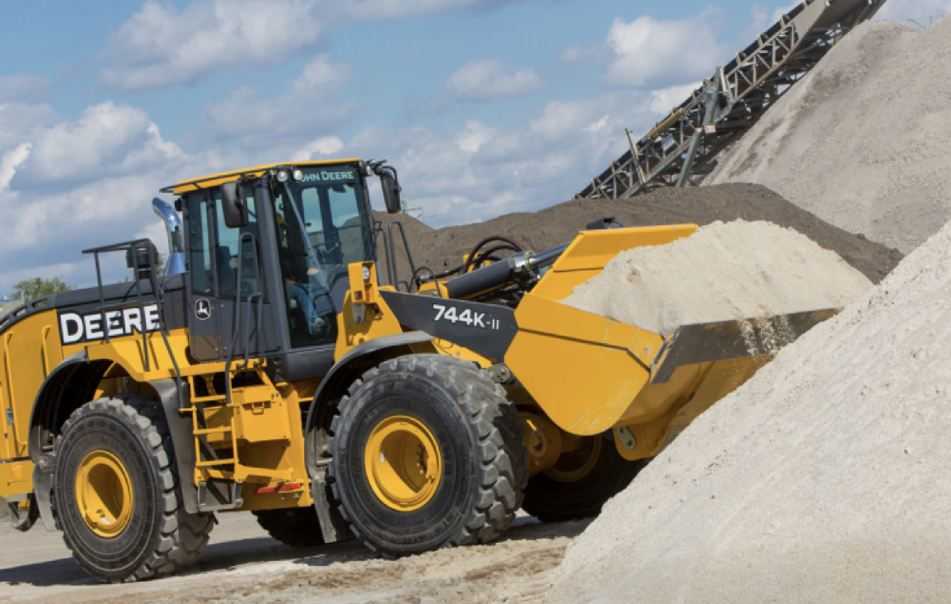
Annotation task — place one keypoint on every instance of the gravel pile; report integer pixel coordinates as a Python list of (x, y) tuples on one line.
[(864, 141), (445, 247)]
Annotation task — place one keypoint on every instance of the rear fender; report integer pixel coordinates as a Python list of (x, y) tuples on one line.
[(69, 385), (73, 383)]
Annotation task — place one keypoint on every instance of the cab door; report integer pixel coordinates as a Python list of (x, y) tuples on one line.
[(227, 300)]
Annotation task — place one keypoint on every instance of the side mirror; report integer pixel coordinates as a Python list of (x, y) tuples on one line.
[(391, 190), (233, 207)]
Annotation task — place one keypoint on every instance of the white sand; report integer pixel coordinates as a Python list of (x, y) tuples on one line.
[(824, 479), (864, 141), (725, 271)]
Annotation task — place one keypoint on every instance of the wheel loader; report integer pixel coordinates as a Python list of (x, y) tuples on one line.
[(267, 367)]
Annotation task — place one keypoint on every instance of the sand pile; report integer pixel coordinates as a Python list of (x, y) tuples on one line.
[(864, 141), (725, 271), (823, 479), (558, 224)]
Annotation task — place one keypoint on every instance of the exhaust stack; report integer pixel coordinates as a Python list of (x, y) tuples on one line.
[(175, 264)]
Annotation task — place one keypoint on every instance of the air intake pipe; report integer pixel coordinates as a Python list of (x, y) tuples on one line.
[(175, 264)]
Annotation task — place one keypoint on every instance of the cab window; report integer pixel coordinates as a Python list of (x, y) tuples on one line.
[(214, 249)]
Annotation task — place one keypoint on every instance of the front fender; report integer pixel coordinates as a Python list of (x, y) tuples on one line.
[(350, 366), (331, 389)]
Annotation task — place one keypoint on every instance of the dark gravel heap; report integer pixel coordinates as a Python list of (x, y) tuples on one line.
[(445, 247)]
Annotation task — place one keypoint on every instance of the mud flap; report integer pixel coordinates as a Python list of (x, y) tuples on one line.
[(42, 490)]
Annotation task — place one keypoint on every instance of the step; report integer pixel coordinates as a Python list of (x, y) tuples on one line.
[(250, 473), (214, 463), (214, 398), (209, 431)]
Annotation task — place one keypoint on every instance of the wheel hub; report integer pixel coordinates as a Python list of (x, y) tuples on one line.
[(403, 463), (104, 494), (576, 465)]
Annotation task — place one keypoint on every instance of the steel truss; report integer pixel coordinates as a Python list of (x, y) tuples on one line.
[(683, 147)]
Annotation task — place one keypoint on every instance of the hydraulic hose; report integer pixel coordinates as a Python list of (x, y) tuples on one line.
[(502, 273)]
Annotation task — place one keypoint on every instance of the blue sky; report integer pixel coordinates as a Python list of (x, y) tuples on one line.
[(486, 106)]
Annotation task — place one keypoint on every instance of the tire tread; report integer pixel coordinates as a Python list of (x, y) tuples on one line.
[(504, 464), (183, 536)]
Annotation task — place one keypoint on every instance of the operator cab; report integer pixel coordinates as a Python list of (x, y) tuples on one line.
[(266, 253)]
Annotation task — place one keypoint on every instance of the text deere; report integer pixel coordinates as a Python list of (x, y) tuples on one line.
[(76, 327)]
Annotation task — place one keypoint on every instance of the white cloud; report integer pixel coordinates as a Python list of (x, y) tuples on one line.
[(21, 86), (294, 115), (376, 9), (652, 52), (45, 230), (474, 137), (70, 184), (560, 118), (325, 146), (583, 54), (10, 161), (664, 100), (161, 45), (19, 121), (478, 171), (490, 79), (919, 11), (321, 74), (106, 139)]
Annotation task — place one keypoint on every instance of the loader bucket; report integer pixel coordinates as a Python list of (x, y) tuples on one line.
[(590, 373)]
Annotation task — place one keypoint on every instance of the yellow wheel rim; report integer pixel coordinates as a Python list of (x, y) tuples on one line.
[(403, 463), (575, 465), (104, 494)]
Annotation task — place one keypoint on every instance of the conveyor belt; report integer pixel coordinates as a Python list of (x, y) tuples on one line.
[(683, 147)]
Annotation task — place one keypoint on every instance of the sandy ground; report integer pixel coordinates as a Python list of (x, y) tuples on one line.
[(242, 564)]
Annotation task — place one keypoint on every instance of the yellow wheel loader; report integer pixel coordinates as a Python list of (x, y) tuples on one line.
[(267, 369)]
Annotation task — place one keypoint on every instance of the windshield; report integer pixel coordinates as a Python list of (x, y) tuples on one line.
[(328, 203), (322, 226)]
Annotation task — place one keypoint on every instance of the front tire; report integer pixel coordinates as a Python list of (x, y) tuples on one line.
[(115, 493), (427, 453)]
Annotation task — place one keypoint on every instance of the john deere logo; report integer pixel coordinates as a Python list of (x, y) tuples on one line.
[(327, 176), (75, 327), (202, 309)]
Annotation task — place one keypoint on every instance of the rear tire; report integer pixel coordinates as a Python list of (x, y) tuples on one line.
[(295, 527), (427, 453), (115, 493), (570, 492)]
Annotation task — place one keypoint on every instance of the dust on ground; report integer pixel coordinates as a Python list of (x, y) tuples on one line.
[(242, 564)]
